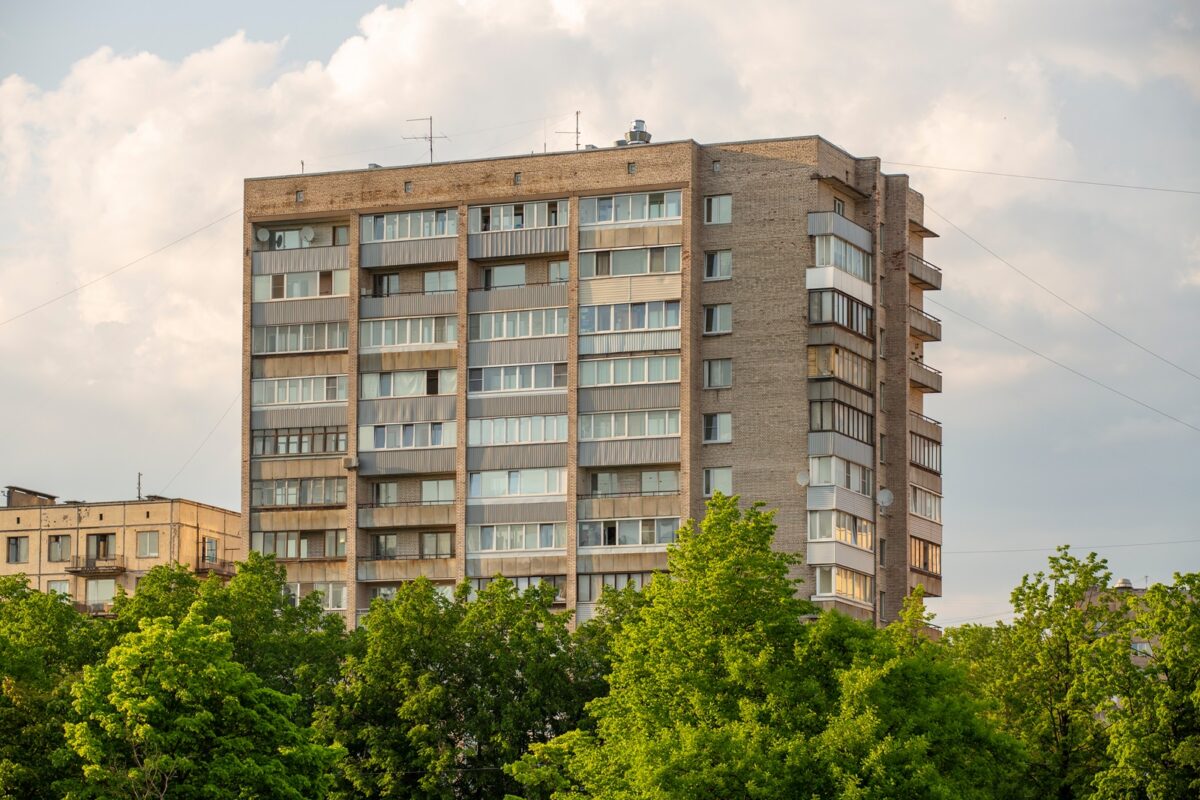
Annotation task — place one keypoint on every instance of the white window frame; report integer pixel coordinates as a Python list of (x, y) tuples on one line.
[(727, 427), (715, 475), (522, 320), (555, 479), (612, 315), (672, 262), (322, 381), (587, 423), (718, 209), (708, 372), (723, 261), (523, 427), (533, 387), (142, 550), (720, 319), (504, 532), (590, 370), (447, 432), (659, 540), (445, 218), (589, 208)]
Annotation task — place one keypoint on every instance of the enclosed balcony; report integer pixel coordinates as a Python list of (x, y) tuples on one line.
[(510, 298), (925, 327), (629, 504), (924, 378), (96, 565), (301, 259), (407, 304), (923, 274), (406, 514), (405, 568)]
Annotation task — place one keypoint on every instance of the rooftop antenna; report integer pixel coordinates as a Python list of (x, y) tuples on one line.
[(302, 166), (140, 474), (576, 131), (428, 137)]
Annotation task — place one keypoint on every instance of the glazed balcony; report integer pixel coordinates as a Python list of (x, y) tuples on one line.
[(406, 514), (923, 274), (509, 298), (925, 327), (301, 259), (924, 378), (521, 242), (408, 304)]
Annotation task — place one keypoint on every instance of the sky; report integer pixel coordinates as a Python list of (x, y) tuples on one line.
[(125, 126)]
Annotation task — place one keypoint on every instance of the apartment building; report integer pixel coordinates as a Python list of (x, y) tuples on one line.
[(87, 550), (537, 366)]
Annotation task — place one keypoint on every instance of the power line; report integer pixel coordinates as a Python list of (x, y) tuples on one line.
[(203, 442), (109, 274), (1046, 178), (1062, 299), (1064, 366), (1079, 546)]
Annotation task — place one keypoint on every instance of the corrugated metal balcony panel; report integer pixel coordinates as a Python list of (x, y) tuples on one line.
[(829, 389), (517, 456), (291, 312), (841, 554), (617, 560), (923, 377), (517, 405), (309, 466), (925, 327), (821, 498), (298, 416), (406, 462), (924, 426), (834, 278), (629, 398), (825, 223), (407, 409), (406, 516), (513, 566), (525, 242), (489, 513), (827, 443), (438, 250), (512, 298), (393, 570), (638, 234), (621, 452), (300, 519), (665, 505), (303, 259), (412, 304), (439, 356), (630, 289), (598, 344), (925, 529), (538, 350), (924, 274)]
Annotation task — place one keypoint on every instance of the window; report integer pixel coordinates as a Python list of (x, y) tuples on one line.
[(310, 337), (834, 471), (718, 373), (293, 285), (827, 305), (842, 527), (546, 214), (718, 479), (517, 324), (831, 415), (101, 546), (839, 206), (437, 492), (517, 378), (523, 583), (516, 430), (605, 483), (718, 265), (621, 371), (517, 482), (298, 492), (18, 549), (830, 361), (718, 209), (516, 179), (526, 536), (409, 224), (385, 284), (59, 587), (333, 595), (925, 556), (660, 481), (926, 504), (58, 548), (845, 583), (718, 428), (437, 545), (501, 277), (629, 317), (631, 168), (591, 586), (147, 544), (636, 261), (834, 252), (295, 391), (925, 453), (627, 532), (300, 544), (99, 593), (408, 435), (410, 383), (385, 545), (298, 441), (341, 234), (716, 166), (560, 271), (628, 424), (718, 319), (377, 333), (408, 187), (440, 280), (299, 195), (625, 208)]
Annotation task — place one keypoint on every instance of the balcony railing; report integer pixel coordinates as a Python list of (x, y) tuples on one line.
[(96, 565), (924, 377), (95, 609), (405, 557), (925, 327), (404, 503), (405, 514), (215, 566), (924, 274), (606, 495), (925, 426)]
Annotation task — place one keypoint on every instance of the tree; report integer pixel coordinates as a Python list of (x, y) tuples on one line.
[(1154, 740), (450, 690), (1049, 676), (167, 590), (170, 714)]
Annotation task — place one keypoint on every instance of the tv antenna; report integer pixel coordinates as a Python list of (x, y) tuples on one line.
[(576, 131), (429, 137)]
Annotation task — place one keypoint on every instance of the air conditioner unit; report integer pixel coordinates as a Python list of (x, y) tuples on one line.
[(350, 462)]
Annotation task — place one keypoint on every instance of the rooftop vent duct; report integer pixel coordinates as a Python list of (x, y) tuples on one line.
[(1123, 583), (637, 132)]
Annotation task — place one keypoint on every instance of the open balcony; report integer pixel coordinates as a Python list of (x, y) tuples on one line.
[(925, 327), (215, 566), (925, 426), (923, 274), (392, 569), (96, 565), (628, 504), (409, 514), (924, 378)]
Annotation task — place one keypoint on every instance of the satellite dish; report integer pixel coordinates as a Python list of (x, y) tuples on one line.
[(307, 233), (886, 498), (263, 234), (802, 477)]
